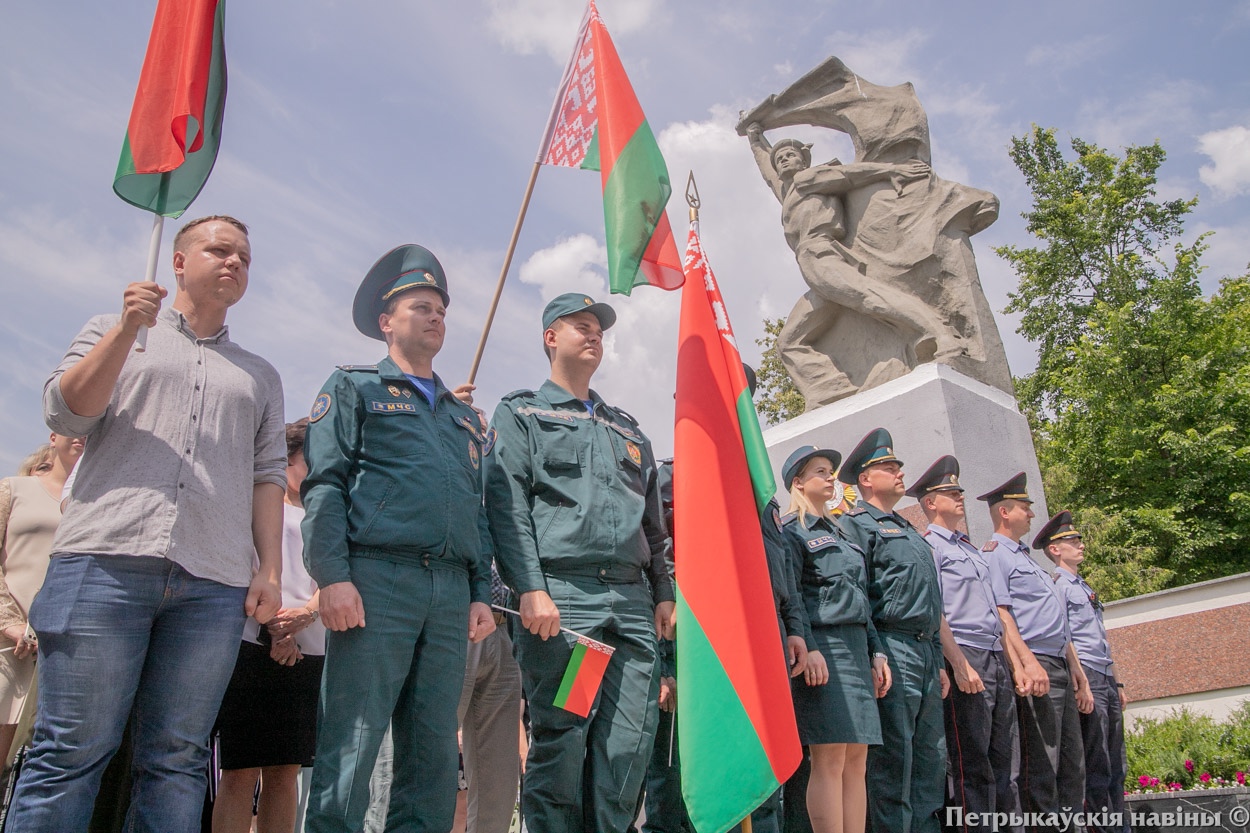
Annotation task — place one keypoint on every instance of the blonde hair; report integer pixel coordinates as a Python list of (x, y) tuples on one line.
[(799, 502), (37, 462)]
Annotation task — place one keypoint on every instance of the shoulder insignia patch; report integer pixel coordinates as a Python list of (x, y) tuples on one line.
[(635, 455), (321, 405), (517, 394), (490, 442), (474, 459), (359, 368), (777, 518), (990, 546)]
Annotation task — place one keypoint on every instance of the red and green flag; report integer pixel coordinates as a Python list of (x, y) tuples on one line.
[(175, 124), (583, 676), (597, 124), (735, 716)]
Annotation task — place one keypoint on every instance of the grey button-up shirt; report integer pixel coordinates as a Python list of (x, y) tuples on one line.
[(969, 598), (193, 425), (1089, 634), (1040, 614)]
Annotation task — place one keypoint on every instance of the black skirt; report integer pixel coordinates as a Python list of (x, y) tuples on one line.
[(269, 714), (843, 710)]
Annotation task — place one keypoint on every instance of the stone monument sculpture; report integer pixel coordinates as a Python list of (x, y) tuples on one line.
[(882, 242)]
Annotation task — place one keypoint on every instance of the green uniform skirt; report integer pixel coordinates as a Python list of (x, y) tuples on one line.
[(843, 710)]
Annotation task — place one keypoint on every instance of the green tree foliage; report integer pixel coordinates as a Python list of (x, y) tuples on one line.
[(776, 397), (1140, 403)]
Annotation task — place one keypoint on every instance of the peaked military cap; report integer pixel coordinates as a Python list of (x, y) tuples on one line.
[(571, 302), (1014, 489), (799, 457), (405, 267), (942, 476), (876, 447), (1056, 528)]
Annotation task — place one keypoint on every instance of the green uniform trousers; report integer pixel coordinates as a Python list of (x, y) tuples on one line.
[(404, 668), (907, 772), (586, 773)]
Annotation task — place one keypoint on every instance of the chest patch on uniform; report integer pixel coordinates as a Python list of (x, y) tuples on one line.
[(392, 407), (474, 459), (634, 453), (563, 416), (817, 543), (321, 406), (490, 442), (394, 391), (777, 520), (990, 546), (470, 425)]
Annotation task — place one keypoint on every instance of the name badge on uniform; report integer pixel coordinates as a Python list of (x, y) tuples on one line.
[(817, 543), (392, 407)]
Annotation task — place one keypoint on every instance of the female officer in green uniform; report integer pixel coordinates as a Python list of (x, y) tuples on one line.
[(834, 701)]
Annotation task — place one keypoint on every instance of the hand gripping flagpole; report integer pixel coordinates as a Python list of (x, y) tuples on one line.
[(154, 253)]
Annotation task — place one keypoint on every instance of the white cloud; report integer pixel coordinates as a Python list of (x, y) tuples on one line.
[(1229, 150), (573, 264), (529, 26), (1141, 118)]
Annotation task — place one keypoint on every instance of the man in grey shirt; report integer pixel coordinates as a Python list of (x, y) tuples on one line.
[(151, 576)]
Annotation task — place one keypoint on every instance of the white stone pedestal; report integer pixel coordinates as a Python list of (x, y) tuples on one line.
[(931, 411)]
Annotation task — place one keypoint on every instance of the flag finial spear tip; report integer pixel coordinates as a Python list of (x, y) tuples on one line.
[(692, 197)]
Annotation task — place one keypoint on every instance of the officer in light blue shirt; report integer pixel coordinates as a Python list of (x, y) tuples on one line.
[(1049, 681), (982, 735), (1103, 728)]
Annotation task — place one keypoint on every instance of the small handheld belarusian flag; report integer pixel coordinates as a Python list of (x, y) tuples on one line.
[(597, 124), (175, 125), (583, 675)]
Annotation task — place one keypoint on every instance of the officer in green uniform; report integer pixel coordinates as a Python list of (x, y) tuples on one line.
[(394, 537), (573, 500), (906, 773)]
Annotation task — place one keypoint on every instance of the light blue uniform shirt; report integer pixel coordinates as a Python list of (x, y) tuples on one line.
[(1089, 634), (968, 596), (1040, 614)]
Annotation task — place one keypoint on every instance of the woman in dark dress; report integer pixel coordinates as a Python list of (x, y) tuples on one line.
[(834, 700)]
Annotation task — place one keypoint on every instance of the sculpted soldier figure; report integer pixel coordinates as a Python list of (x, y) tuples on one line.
[(881, 242)]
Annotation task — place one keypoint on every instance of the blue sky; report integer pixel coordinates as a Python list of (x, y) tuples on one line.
[(354, 127)]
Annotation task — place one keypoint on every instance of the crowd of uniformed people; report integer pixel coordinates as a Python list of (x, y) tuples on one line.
[(446, 565)]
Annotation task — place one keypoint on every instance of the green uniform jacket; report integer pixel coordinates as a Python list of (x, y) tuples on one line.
[(570, 494), (903, 585), (388, 478), (833, 576)]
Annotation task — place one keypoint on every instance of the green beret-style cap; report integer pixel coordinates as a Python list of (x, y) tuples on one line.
[(571, 302)]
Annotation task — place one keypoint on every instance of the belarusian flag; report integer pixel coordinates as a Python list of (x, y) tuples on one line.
[(583, 675), (175, 125), (735, 720), (597, 124)]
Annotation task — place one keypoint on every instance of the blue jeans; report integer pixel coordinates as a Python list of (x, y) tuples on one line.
[(117, 632)]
